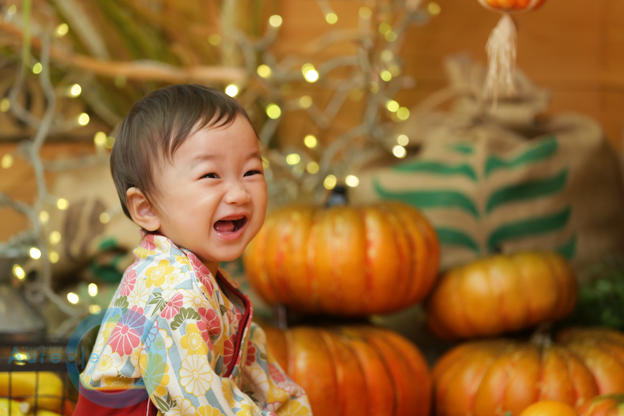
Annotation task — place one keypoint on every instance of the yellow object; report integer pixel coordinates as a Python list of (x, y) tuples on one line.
[(549, 408), (46, 413), (15, 408), (49, 389)]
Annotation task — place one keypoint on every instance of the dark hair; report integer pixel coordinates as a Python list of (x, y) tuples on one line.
[(157, 125)]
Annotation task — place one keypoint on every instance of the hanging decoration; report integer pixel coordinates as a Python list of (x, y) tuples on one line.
[(501, 46)]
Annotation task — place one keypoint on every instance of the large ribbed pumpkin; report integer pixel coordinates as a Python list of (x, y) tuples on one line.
[(500, 294), (344, 260), (608, 405), (355, 370), (490, 378), (512, 5)]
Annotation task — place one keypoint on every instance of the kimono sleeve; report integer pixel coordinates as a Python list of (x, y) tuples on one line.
[(176, 364), (267, 384)]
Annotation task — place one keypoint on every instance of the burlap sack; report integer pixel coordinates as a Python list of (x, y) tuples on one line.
[(500, 179)]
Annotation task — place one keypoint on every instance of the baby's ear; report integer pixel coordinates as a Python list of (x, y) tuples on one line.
[(141, 210)]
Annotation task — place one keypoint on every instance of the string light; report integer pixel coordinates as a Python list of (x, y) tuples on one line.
[(391, 36), (61, 30), (120, 81), (18, 271), (273, 111), (399, 151), (403, 140), (264, 71), (214, 39), (309, 73), (104, 218), (365, 13), (434, 9), (75, 90), (7, 161), (305, 101), (403, 113), (374, 87), (110, 141), (386, 75), (34, 253), (312, 167), (99, 139), (62, 204), (392, 106), (387, 55), (265, 162), (310, 141), (94, 309), (5, 105), (331, 18), (37, 68), (293, 159), (12, 10), (352, 181), (92, 289), (44, 217), (55, 237), (275, 20), (73, 298), (54, 257), (83, 119), (330, 182), (231, 90), (384, 28)]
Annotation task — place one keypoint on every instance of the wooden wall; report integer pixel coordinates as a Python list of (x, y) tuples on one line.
[(573, 47)]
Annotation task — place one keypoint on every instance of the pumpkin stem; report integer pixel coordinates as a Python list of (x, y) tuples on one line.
[(542, 336), (338, 197)]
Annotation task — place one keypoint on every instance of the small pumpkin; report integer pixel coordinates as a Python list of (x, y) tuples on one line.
[(485, 378), (608, 405), (344, 260), (502, 293), (511, 5), (549, 408), (354, 370)]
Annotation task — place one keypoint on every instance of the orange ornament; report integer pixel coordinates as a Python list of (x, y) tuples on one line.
[(549, 408), (354, 370), (344, 260)]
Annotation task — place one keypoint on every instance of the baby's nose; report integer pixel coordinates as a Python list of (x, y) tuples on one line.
[(237, 195)]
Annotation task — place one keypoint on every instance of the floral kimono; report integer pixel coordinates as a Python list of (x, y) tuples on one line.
[(173, 334)]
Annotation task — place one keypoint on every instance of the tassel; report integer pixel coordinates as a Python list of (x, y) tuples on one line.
[(501, 50)]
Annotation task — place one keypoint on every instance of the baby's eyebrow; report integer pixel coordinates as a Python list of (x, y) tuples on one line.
[(207, 157)]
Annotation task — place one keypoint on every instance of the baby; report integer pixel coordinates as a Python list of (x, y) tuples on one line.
[(178, 337)]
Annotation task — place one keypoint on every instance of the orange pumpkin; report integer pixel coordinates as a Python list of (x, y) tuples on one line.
[(512, 5), (500, 294), (355, 370), (488, 378), (549, 408), (344, 260), (609, 405)]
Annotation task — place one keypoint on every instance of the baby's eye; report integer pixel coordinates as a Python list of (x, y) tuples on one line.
[(253, 172), (211, 176)]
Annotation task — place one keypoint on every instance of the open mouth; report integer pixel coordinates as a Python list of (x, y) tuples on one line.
[(230, 224)]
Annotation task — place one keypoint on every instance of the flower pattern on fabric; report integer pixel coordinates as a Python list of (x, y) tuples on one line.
[(156, 275), (128, 283), (171, 329), (172, 307), (193, 341), (127, 334), (208, 411)]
